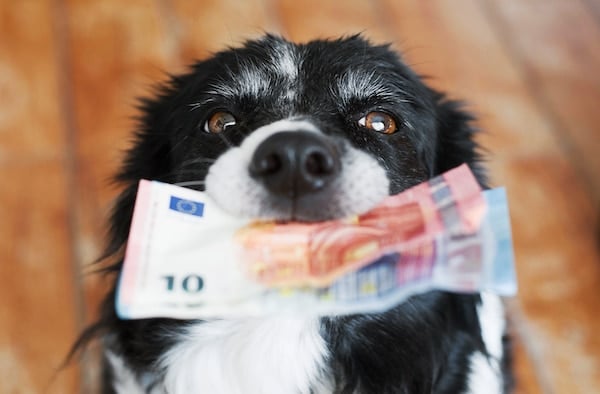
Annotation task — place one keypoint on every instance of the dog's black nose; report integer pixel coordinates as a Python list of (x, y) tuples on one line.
[(294, 163)]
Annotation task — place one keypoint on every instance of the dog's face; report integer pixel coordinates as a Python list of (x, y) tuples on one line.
[(309, 132), (299, 132)]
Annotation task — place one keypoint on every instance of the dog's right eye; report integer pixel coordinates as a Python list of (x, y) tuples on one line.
[(379, 122), (219, 122)]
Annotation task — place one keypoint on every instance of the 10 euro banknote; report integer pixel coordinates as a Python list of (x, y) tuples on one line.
[(187, 258)]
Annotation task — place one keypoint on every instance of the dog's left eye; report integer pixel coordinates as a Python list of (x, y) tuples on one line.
[(378, 121), (219, 122)]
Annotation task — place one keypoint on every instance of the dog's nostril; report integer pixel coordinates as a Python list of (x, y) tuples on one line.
[(267, 165), (319, 163)]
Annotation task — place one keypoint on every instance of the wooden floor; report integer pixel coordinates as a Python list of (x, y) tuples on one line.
[(69, 74)]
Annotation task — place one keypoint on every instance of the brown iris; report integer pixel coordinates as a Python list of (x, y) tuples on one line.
[(379, 122), (219, 122)]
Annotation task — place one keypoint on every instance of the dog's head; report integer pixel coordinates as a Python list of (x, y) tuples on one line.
[(296, 132)]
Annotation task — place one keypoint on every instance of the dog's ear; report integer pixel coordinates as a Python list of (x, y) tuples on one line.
[(455, 143), (163, 114), (151, 153), (147, 158)]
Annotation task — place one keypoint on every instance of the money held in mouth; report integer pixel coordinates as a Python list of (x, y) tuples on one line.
[(186, 258)]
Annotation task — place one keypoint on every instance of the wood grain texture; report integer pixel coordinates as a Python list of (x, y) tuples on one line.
[(37, 296), (467, 61), (558, 268), (525, 371), (557, 46), (216, 25), (311, 19), (29, 116), (38, 318)]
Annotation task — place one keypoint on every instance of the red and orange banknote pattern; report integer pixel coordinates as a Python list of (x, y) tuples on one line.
[(315, 254)]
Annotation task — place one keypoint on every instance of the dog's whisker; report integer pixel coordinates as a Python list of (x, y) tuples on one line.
[(190, 183), (195, 106), (197, 160), (178, 144), (171, 177), (225, 140), (243, 132)]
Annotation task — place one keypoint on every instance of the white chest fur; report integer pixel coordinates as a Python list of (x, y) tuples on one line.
[(267, 355), (282, 355)]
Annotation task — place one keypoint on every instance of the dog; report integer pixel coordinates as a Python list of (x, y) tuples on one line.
[(302, 132)]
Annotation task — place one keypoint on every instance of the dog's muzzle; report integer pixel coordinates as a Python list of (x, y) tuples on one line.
[(290, 170), (292, 164)]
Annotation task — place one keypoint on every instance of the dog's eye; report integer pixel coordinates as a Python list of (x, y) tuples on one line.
[(219, 122), (378, 121)]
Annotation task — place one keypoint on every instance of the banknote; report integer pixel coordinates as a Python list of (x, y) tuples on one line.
[(186, 258), (315, 255), (460, 262)]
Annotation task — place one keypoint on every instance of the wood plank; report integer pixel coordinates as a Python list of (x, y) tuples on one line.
[(306, 20), (558, 267), (558, 46), (466, 61), (552, 223), (28, 87), (37, 295), (594, 8), (217, 25), (525, 374)]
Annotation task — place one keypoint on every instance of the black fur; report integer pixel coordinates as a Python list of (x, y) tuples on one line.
[(422, 345)]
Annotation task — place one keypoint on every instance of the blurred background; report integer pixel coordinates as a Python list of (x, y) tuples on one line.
[(70, 72)]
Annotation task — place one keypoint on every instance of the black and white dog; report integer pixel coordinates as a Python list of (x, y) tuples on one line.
[(303, 132)]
